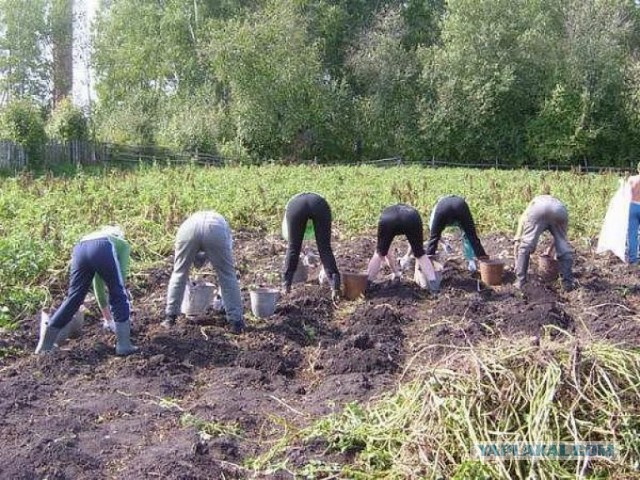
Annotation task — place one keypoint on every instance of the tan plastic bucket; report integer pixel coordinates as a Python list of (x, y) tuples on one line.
[(548, 268), (491, 271), (263, 301), (353, 285)]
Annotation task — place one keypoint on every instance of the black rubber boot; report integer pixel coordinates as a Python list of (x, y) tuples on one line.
[(565, 265), (522, 266)]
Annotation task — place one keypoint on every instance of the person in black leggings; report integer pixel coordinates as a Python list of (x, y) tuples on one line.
[(453, 210), (305, 212), (405, 220)]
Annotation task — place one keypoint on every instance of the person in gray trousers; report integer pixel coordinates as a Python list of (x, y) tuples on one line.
[(544, 213), (205, 235)]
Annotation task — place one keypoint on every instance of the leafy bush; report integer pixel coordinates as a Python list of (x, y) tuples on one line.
[(67, 122), (21, 121)]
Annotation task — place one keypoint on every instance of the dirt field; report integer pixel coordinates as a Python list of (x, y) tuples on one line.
[(82, 413)]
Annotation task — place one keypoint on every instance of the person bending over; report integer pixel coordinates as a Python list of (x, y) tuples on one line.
[(205, 236), (453, 210), (104, 253), (634, 217), (544, 213), (405, 220), (309, 212)]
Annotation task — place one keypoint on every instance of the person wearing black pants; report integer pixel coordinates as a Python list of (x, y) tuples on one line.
[(405, 220), (453, 210), (305, 212)]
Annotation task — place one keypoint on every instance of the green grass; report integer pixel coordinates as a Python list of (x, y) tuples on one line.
[(41, 218)]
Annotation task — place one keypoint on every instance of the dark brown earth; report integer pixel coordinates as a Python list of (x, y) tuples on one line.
[(82, 413)]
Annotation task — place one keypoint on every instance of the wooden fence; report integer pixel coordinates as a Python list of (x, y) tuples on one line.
[(14, 157)]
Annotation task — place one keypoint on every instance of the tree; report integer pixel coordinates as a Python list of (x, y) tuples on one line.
[(24, 70), (385, 73), (61, 34), (487, 78), (280, 101), (67, 122)]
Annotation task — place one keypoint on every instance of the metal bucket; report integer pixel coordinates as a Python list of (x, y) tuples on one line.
[(197, 298), (263, 301), (71, 329)]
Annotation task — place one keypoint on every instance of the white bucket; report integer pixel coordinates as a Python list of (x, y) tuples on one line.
[(71, 329), (263, 301), (302, 272), (197, 298)]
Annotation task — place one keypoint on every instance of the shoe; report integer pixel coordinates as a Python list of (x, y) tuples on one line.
[(335, 282), (335, 296), (568, 286), (169, 321), (238, 328), (123, 339)]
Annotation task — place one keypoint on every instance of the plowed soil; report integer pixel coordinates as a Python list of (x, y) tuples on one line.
[(83, 413)]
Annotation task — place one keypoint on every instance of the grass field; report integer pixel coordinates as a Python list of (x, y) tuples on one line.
[(41, 218)]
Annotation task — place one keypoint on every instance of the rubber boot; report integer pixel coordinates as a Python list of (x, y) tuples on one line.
[(123, 339), (565, 265), (48, 336), (522, 266), (238, 327)]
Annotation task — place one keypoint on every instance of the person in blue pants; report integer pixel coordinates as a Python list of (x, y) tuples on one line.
[(104, 253), (634, 217)]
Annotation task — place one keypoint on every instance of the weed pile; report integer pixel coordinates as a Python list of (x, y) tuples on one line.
[(512, 393)]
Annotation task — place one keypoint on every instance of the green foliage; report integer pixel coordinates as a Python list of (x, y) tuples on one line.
[(278, 100), (385, 76), (67, 122), (130, 122), (21, 122), (24, 70), (207, 430)]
